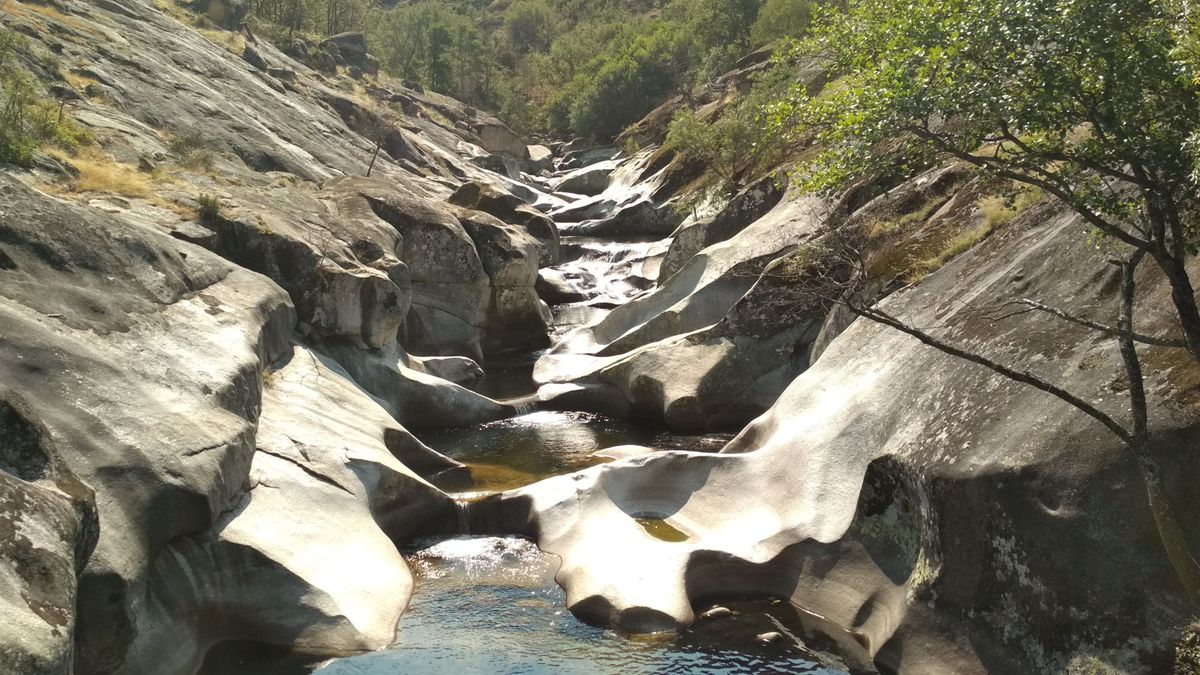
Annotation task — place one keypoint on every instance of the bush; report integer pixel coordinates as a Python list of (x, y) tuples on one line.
[(736, 144), (188, 139), (27, 121), (208, 208), (781, 18), (529, 26), (628, 82)]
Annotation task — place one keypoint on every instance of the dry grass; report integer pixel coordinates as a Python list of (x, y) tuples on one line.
[(913, 246), (47, 12), (907, 221), (235, 43), (81, 83), (100, 174), (170, 8)]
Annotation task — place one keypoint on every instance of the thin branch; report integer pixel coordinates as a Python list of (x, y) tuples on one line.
[(1097, 326), (1043, 183), (1022, 376)]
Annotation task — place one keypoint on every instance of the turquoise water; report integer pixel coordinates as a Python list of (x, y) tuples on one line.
[(490, 605)]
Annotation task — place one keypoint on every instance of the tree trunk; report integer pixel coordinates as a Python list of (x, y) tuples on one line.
[(1181, 559), (1174, 543), (1183, 295)]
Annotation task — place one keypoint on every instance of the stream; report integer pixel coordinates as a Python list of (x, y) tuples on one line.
[(485, 604)]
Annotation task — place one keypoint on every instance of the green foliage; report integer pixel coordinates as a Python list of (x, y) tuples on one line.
[(429, 43), (327, 17), (27, 121), (529, 26), (738, 142), (1067, 95), (718, 33), (621, 86), (781, 19), (569, 66)]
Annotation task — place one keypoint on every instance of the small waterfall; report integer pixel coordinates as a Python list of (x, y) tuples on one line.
[(462, 516)]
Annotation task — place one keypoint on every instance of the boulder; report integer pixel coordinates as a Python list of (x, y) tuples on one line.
[(341, 268), (936, 515), (330, 466), (451, 291), (517, 319), (456, 369), (415, 395), (641, 218), (540, 159), (139, 355), (496, 137), (589, 181), (709, 347), (48, 529), (586, 156), (513, 210), (556, 287), (752, 203), (255, 58), (351, 46)]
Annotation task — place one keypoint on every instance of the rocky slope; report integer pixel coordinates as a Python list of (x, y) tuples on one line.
[(206, 360), (217, 330)]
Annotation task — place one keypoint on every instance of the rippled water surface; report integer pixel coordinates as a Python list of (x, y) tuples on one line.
[(490, 605)]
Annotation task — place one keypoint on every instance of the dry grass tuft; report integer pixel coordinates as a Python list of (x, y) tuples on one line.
[(46, 11), (99, 173), (79, 82), (235, 43)]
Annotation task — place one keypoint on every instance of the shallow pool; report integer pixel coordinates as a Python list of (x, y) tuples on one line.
[(516, 452), (490, 605)]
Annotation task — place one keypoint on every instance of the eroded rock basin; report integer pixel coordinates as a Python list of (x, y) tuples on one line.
[(490, 605)]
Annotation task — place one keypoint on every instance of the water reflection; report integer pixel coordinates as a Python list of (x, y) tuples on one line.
[(516, 452)]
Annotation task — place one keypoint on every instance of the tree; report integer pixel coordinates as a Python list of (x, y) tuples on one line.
[(1092, 101), (718, 32), (1084, 99), (620, 86), (779, 19), (345, 15), (529, 25)]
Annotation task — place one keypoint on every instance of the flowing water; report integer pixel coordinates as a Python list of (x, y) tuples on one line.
[(490, 604)]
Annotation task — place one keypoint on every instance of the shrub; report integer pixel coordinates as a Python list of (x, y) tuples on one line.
[(529, 26), (208, 208), (27, 121), (781, 18), (735, 144), (621, 86), (188, 139)]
